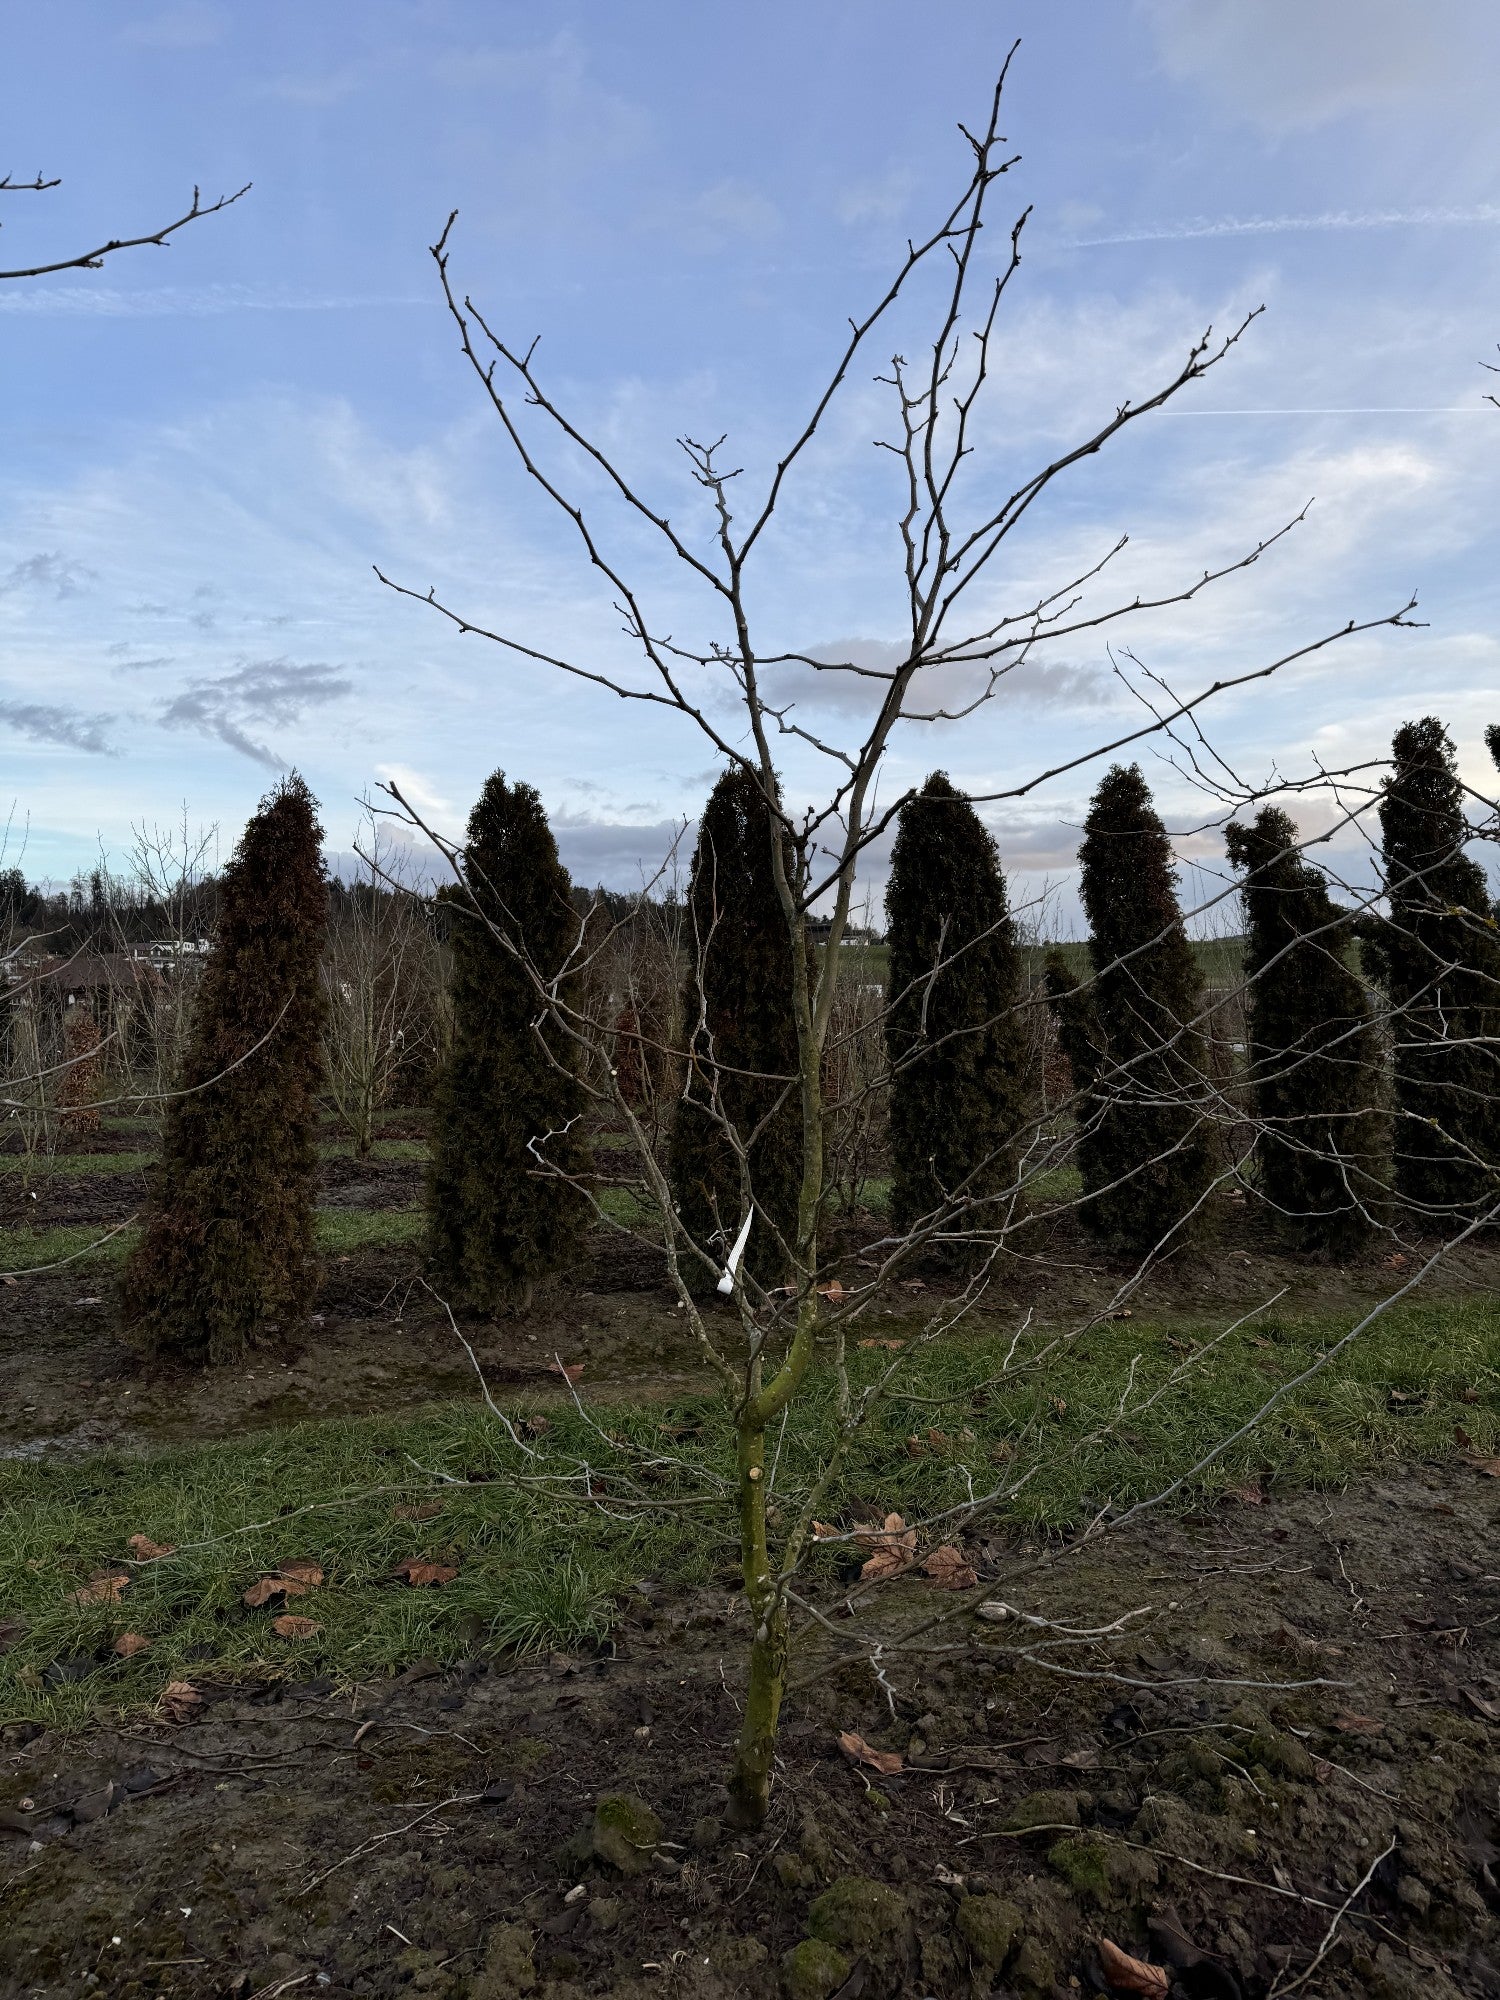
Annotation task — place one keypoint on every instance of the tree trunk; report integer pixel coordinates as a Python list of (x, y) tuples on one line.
[(750, 1780)]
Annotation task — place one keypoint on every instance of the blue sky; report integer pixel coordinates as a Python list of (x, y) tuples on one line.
[(207, 447)]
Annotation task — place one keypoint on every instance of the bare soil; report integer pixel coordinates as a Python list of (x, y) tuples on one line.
[(431, 1834)]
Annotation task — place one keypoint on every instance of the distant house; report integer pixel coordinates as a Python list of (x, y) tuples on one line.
[(108, 982), (818, 929)]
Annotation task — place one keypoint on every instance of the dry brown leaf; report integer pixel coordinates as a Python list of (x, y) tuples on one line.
[(1132, 1975), (129, 1644), (1462, 1439), (894, 1546), (416, 1510), (1357, 1725), (1490, 1467), (1059, 1406), (419, 1572), (180, 1701), (833, 1292), (290, 1626), (1468, 1395), (302, 1570), (823, 1533), (570, 1371), (104, 1587), (891, 1346), (1248, 1496), (145, 1550), (948, 1569), (939, 1440), (915, 1447), (859, 1752), (272, 1586), (537, 1426)]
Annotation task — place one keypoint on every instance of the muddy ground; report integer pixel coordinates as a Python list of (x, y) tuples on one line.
[(1317, 1688)]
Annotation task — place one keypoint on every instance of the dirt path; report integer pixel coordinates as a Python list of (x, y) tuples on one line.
[(432, 1835)]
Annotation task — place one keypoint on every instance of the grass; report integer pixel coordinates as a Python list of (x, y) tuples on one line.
[(538, 1565), (69, 1164), (339, 1230)]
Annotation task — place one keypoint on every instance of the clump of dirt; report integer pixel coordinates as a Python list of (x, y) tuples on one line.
[(1296, 1744)]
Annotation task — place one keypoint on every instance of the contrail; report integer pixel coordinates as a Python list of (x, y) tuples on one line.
[(1273, 225)]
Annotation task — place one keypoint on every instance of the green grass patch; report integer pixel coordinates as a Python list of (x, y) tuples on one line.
[(42, 1166), (339, 1230), (537, 1564), (343, 1229)]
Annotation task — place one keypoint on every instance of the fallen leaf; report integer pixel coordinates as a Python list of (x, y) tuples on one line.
[(104, 1587), (1123, 1313), (570, 1372), (1490, 1710), (1248, 1496), (419, 1572), (915, 1447), (272, 1586), (536, 1427), (1490, 1467), (833, 1292), (1086, 1759), (290, 1626), (180, 1701), (891, 1346), (939, 1440), (11, 1629), (1001, 1450), (129, 1644), (1398, 1260), (913, 1284), (145, 1550), (859, 1752), (948, 1569), (1357, 1725), (894, 1546), (1131, 1975), (1462, 1439), (302, 1570), (416, 1510), (823, 1533), (1059, 1406), (1468, 1395)]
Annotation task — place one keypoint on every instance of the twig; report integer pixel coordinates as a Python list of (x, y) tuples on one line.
[(459, 1799), (1338, 1917)]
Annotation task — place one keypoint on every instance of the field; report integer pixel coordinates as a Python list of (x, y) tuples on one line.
[(403, 1796)]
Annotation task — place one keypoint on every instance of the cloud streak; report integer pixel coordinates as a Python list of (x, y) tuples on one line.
[(1483, 214), (278, 692), (84, 301), (43, 723)]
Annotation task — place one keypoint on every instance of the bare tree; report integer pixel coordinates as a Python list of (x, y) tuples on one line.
[(774, 1347), (380, 978)]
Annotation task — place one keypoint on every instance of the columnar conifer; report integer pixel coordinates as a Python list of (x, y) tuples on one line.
[(1314, 1065), (1439, 955), (954, 1034), (227, 1258), (1131, 1033), (499, 1218), (739, 1034)]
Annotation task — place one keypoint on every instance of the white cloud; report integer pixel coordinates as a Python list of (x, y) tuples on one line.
[(1478, 215), (193, 24), (1285, 64), (86, 301)]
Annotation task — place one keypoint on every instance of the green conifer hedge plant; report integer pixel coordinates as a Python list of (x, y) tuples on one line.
[(226, 1261), (955, 1033), (504, 1213)]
